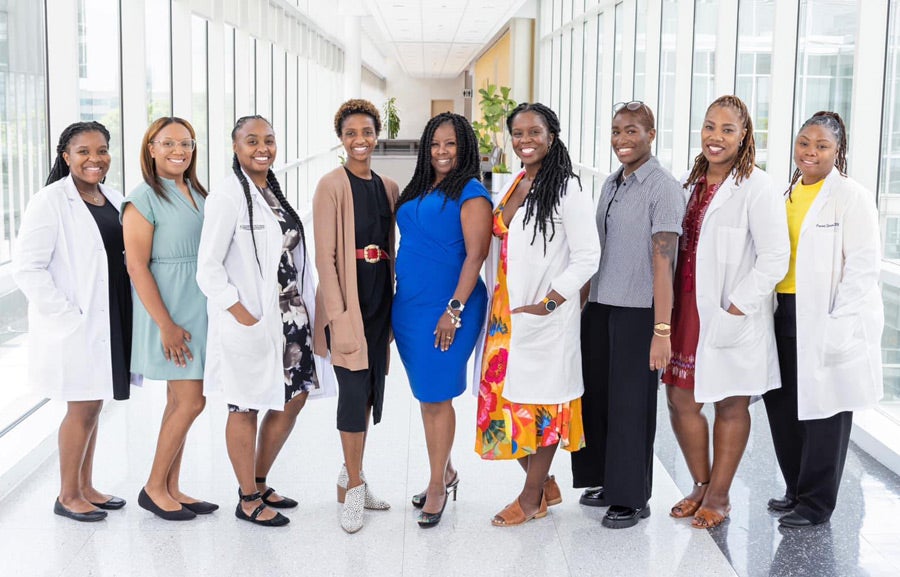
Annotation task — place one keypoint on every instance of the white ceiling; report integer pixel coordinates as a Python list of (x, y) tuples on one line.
[(436, 38)]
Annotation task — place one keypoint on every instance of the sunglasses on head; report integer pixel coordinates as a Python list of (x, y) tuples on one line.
[(633, 106)]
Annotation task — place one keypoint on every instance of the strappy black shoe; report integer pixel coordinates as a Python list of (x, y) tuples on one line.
[(285, 502), (278, 520)]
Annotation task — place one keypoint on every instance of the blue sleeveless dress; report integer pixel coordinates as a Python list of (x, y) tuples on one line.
[(429, 260)]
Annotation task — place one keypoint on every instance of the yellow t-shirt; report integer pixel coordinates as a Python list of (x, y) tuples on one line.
[(801, 199)]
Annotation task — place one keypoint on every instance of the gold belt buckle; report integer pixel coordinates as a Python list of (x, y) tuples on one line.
[(372, 249)]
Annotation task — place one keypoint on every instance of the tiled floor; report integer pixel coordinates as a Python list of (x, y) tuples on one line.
[(863, 539)]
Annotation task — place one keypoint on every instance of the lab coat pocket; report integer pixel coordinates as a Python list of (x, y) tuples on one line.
[(534, 337), (843, 341), (242, 341), (734, 330), (730, 244), (343, 340)]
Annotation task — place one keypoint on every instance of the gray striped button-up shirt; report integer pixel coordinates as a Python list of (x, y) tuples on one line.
[(629, 213)]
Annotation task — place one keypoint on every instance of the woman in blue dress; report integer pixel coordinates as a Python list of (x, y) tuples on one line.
[(444, 215), (162, 219)]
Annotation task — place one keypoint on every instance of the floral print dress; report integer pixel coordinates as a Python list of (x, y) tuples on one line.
[(507, 430)]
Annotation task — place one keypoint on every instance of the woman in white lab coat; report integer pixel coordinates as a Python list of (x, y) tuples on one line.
[(69, 264), (252, 266), (828, 323), (733, 251)]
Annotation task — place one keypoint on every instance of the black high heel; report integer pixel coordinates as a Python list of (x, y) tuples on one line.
[(418, 500), (278, 520), (427, 520)]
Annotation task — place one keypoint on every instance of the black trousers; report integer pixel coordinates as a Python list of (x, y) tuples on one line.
[(619, 404), (811, 454)]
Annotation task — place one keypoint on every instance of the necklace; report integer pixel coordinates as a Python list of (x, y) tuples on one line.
[(94, 198)]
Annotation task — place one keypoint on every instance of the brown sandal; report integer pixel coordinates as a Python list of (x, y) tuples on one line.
[(552, 492), (706, 518), (686, 508), (513, 514)]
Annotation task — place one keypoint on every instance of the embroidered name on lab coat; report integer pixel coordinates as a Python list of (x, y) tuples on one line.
[(255, 226), (828, 225)]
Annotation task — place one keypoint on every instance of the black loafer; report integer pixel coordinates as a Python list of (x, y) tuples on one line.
[(112, 504), (795, 520), (183, 514), (618, 517), (593, 497), (200, 507), (90, 516), (784, 504)]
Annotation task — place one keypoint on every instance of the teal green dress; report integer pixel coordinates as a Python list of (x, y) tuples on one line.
[(173, 263)]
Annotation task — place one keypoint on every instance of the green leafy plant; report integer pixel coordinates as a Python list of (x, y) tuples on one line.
[(391, 117), (495, 106)]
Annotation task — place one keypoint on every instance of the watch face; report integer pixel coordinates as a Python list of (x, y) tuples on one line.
[(550, 306), (455, 304)]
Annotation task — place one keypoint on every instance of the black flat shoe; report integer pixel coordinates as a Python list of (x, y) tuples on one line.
[(427, 520), (278, 520), (112, 504), (784, 504), (593, 497), (618, 517), (200, 507), (90, 516), (418, 500), (795, 520), (285, 502), (183, 514)]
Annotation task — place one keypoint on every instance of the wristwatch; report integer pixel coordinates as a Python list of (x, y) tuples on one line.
[(456, 305), (550, 304)]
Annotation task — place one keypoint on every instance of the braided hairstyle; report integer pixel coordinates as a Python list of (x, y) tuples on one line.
[(746, 156), (275, 187), (833, 122), (552, 177), (60, 169), (148, 165), (468, 162)]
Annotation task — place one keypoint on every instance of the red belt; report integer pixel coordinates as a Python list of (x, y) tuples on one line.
[(372, 254)]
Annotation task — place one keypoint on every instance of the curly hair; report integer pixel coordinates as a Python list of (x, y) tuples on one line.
[(468, 162), (273, 185), (60, 169), (356, 106), (552, 177), (148, 165), (833, 122), (746, 156)]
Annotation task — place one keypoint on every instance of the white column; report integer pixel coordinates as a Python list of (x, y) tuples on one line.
[(219, 141), (684, 64), (868, 88), (62, 68), (651, 84), (134, 90), (352, 57), (781, 97), (182, 50)]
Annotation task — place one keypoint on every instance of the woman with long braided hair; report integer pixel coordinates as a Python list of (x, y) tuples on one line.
[(733, 251), (444, 216), (545, 248), (252, 267), (68, 263), (828, 323), (354, 229)]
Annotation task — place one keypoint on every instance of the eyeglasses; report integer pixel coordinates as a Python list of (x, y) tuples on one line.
[(189, 145), (633, 106)]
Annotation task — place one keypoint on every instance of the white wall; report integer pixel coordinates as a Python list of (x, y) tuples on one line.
[(414, 96)]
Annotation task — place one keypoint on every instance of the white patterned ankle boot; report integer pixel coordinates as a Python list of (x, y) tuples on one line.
[(353, 510), (372, 501)]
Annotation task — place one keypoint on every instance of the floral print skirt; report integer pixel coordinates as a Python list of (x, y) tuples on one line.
[(508, 430)]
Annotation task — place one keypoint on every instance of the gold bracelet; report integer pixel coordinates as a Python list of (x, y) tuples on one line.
[(663, 335)]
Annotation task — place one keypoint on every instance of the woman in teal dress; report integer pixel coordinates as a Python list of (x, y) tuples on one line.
[(162, 219), (444, 215)]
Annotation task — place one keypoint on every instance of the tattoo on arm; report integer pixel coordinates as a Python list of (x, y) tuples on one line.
[(665, 245)]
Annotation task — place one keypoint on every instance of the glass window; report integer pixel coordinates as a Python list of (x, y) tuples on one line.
[(640, 50), (703, 79), (589, 92), (597, 96), (617, 94), (158, 48), (230, 106), (24, 164), (826, 42), (200, 95), (666, 113), (98, 85), (753, 72)]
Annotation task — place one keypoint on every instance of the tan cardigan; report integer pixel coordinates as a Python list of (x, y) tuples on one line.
[(337, 299)]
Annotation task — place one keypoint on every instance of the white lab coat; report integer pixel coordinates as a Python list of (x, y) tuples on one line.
[(247, 362), (743, 252), (544, 363), (840, 315), (60, 265)]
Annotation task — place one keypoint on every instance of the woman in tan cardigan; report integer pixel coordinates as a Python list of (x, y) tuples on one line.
[(354, 234)]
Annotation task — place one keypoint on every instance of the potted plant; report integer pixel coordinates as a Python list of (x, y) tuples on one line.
[(391, 117), (495, 106)]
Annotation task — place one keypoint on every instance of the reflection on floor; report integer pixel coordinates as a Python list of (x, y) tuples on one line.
[(862, 539)]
